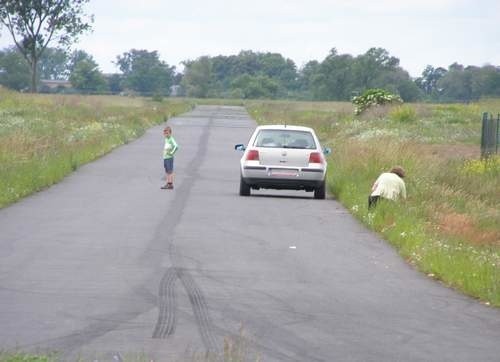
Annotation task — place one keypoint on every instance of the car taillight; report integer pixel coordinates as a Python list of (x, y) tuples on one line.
[(315, 157), (252, 155)]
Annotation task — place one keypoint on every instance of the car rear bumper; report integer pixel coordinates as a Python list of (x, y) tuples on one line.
[(283, 178)]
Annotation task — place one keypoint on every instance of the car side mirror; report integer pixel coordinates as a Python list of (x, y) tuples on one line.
[(327, 150), (239, 147)]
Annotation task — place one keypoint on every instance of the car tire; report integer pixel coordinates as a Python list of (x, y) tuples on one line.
[(320, 192), (244, 188)]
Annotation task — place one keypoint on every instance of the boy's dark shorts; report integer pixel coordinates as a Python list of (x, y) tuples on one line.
[(168, 163)]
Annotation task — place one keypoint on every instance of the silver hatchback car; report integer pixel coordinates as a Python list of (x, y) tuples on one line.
[(283, 157)]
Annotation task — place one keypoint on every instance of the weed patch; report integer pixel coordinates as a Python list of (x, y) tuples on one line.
[(404, 114)]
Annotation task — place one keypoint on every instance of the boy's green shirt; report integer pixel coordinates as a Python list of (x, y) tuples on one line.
[(170, 147)]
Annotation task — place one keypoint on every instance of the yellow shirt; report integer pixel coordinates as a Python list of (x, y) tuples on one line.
[(389, 186)]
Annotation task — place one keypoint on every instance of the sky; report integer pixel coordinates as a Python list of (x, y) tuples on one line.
[(418, 32)]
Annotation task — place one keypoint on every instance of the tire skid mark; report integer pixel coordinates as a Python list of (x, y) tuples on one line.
[(165, 325), (167, 316), (200, 309)]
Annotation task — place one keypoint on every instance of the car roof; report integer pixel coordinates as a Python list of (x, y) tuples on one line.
[(284, 127)]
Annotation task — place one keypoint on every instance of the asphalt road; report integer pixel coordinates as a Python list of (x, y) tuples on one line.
[(105, 265)]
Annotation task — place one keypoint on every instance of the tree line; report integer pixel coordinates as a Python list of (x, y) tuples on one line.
[(253, 75), (34, 25), (338, 77)]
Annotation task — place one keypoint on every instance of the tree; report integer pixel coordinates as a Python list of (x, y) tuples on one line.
[(254, 87), (86, 76), (398, 81), (34, 24), (53, 64), (197, 78), (115, 83), (490, 80), (223, 76), (307, 76), (334, 79), (76, 57), (429, 80), (456, 85), (144, 72), (369, 67), (408, 90), (14, 72), (341, 76), (247, 62), (279, 69)]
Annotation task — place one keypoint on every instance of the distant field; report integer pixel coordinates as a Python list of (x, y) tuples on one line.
[(45, 137), (449, 227)]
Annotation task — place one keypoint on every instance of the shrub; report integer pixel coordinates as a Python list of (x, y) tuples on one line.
[(374, 97), (403, 114)]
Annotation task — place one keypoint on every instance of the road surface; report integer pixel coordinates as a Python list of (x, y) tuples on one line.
[(106, 266)]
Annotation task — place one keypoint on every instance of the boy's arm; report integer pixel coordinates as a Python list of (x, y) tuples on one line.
[(174, 146)]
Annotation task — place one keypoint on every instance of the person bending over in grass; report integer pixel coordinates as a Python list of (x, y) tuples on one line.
[(389, 185), (168, 157)]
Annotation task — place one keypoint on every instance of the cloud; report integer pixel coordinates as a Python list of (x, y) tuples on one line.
[(437, 32)]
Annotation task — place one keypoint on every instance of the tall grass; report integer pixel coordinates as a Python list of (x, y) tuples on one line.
[(43, 138), (449, 227), (24, 357)]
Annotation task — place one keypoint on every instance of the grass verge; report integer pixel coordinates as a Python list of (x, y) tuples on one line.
[(43, 138), (449, 227), (24, 357)]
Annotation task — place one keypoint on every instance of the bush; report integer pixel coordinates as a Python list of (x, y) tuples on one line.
[(403, 114), (374, 97)]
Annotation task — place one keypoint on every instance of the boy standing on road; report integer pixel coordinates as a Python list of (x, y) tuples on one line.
[(168, 157)]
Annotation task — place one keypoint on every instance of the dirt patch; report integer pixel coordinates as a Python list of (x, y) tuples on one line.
[(454, 151), (461, 225)]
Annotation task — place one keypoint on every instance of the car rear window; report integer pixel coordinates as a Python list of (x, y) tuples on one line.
[(274, 138)]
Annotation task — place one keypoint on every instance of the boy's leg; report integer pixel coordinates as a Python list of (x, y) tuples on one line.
[(169, 166), (170, 173), (169, 184), (166, 182)]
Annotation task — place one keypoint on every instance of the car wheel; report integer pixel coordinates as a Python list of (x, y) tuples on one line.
[(320, 192), (244, 188)]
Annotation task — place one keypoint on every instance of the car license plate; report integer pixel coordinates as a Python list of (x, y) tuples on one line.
[(283, 172)]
